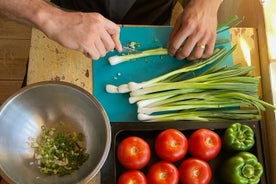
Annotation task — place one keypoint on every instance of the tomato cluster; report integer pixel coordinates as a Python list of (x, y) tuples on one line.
[(171, 146)]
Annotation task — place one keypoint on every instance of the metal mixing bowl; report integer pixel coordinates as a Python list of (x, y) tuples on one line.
[(48, 103)]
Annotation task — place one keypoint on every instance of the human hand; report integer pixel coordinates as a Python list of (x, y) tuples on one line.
[(194, 33), (90, 33)]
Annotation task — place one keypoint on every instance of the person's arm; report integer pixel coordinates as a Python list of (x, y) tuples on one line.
[(90, 33), (194, 33)]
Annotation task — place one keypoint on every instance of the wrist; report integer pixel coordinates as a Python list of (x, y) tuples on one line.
[(44, 17)]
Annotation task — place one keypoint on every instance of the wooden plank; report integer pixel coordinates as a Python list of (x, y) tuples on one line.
[(248, 9), (247, 51), (13, 58), (270, 24), (8, 88), (9, 29), (50, 61), (267, 34)]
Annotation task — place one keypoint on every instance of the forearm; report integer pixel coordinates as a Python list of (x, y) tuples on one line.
[(90, 33), (36, 13)]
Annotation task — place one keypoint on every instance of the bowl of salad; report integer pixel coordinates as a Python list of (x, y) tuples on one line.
[(52, 132)]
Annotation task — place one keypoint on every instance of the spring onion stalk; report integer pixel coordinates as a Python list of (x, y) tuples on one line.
[(217, 115), (202, 95), (197, 64), (224, 100), (260, 104), (113, 60), (164, 94), (198, 105), (222, 41), (155, 102), (143, 103), (216, 66), (212, 67), (189, 86), (226, 24), (226, 76)]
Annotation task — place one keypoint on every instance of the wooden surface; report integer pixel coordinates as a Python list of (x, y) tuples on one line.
[(267, 45), (15, 40), (49, 61)]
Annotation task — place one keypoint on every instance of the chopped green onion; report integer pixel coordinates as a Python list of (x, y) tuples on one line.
[(59, 153)]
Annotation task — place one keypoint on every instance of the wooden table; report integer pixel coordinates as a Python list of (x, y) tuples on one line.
[(50, 61)]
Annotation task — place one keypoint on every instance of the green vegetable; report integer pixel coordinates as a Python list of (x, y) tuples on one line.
[(243, 168), (113, 60), (188, 93), (191, 67), (225, 24), (59, 153), (200, 90), (239, 137)]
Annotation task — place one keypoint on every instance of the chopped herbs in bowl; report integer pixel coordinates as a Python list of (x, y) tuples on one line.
[(53, 132), (60, 152)]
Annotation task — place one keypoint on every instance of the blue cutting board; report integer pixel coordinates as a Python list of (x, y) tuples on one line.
[(116, 105)]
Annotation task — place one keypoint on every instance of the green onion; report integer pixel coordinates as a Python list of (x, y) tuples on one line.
[(207, 115), (113, 60), (191, 66), (225, 24), (59, 153), (217, 93)]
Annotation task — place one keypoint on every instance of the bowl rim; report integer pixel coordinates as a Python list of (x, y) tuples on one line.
[(101, 162)]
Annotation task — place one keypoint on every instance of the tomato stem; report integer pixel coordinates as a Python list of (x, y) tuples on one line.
[(133, 150), (163, 175), (196, 172), (209, 141)]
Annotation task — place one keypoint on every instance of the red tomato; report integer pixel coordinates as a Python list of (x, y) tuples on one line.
[(171, 145), (132, 176), (163, 172), (204, 144), (195, 171), (133, 153)]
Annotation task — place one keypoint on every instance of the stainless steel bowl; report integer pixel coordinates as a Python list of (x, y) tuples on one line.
[(49, 103)]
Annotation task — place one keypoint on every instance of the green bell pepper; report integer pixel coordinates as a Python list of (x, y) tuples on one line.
[(239, 137), (243, 168)]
